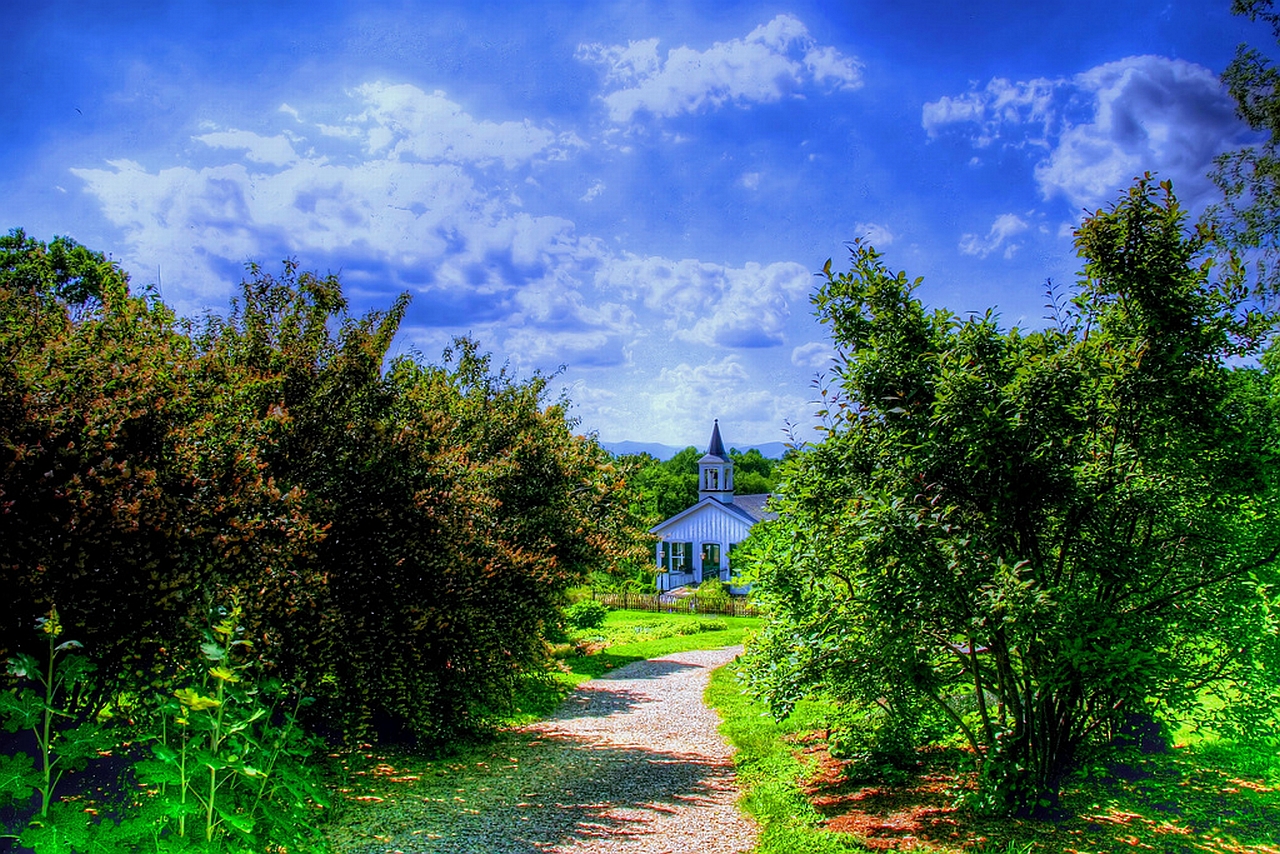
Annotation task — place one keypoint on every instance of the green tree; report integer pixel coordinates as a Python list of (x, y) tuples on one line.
[(455, 502), (121, 500), (1034, 537), (1248, 219)]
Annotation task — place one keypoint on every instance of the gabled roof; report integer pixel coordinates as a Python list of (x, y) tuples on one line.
[(748, 509)]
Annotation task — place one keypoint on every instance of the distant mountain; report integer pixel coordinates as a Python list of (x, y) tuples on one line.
[(771, 450)]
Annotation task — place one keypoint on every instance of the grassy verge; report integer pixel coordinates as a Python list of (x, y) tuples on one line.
[(770, 772), (625, 637), (1212, 797)]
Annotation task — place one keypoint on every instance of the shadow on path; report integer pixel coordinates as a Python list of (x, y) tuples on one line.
[(532, 791), (525, 797)]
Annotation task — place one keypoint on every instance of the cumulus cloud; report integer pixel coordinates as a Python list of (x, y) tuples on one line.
[(1101, 128), (1005, 227), (687, 396), (407, 123), (396, 200), (815, 354), (773, 61), (271, 150), (877, 235), (712, 304), (1000, 104), (415, 211)]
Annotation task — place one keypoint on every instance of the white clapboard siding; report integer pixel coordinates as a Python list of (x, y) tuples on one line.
[(708, 525)]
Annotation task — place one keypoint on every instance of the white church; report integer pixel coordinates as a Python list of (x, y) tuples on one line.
[(694, 545)]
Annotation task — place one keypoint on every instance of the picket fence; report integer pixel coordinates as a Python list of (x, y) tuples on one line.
[(664, 603)]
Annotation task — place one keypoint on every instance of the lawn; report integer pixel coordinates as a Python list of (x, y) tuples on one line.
[(626, 636), (1212, 797)]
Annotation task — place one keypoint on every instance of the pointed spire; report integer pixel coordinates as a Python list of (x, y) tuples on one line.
[(716, 448)]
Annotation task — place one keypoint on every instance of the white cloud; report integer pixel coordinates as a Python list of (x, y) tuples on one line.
[(1103, 127), (773, 61), (712, 304), (815, 354), (1168, 116), (413, 213), (411, 210), (594, 190), (996, 106), (272, 150), (409, 124), (1005, 227), (877, 235), (750, 180)]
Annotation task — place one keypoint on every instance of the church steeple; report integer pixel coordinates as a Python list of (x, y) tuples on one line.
[(715, 470)]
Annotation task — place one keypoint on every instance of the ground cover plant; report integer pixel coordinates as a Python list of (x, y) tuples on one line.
[(214, 760), (1209, 797)]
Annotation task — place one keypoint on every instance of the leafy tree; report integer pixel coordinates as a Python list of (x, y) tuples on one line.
[(120, 503), (456, 507), (1036, 537), (664, 488), (1248, 219), (398, 534), (752, 472)]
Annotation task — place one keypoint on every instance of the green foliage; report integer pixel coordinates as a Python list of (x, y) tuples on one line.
[(770, 773), (664, 488), (1248, 218), (399, 535), (45, 711), (711, 593), (228, 767), (588, 614), (1038, 534)]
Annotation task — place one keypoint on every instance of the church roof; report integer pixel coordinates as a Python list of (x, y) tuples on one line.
[(747, 508), (754, 506)]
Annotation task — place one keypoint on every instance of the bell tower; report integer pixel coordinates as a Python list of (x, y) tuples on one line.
[(715, 470)]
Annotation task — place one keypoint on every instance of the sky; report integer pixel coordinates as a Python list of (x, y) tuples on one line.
[(633, 196)]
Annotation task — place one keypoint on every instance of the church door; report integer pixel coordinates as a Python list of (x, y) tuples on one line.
[(710, 561)]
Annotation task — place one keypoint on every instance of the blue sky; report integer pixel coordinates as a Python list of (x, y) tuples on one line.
[(640, 192)]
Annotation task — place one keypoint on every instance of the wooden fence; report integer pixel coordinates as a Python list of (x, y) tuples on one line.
[(667, 604)]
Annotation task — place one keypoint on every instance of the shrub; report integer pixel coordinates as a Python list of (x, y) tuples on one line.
[(588, 614)]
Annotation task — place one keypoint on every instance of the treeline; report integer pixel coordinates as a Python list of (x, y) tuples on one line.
[(663, 488), (395, 535)]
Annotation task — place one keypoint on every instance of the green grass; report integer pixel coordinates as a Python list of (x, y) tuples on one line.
[(770, 772), (625, 637), (1211, 797)]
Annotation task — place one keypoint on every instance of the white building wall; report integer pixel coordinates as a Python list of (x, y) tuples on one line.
[(708, 525)]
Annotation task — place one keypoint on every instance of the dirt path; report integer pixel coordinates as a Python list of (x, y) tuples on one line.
[(631, 763)]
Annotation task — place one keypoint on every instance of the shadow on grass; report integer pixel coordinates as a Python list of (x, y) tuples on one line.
[(1174, 804), (518, 795)]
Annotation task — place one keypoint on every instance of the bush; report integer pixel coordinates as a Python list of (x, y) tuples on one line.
[(588, 614), (697, 627)]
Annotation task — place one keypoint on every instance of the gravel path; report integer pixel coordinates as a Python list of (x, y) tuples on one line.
[(630, 763)]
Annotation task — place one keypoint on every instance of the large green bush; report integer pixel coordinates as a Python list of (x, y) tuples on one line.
[(399, 534)]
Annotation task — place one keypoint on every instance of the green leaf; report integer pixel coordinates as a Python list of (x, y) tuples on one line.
[(18, 777)]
